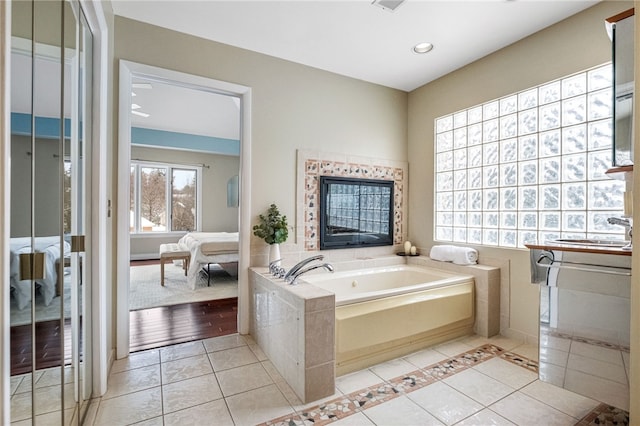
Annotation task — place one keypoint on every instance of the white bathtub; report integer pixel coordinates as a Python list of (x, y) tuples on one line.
[(375, 283), (386, 312)]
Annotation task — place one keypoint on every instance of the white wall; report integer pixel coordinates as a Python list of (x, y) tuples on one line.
[(575, 44)]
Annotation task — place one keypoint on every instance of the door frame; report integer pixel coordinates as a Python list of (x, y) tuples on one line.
[(128, 70), (5, 200)]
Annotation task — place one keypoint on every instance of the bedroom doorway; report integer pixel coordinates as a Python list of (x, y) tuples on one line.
[(180, 173)]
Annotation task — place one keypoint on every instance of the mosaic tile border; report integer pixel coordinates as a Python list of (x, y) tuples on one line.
[(314, 168), (521, 361), (589, 341), (346, 405), (354, 402), (605, 414)]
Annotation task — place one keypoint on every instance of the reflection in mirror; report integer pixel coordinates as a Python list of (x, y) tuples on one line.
[(20, 232), (585, 324), (622, 28), (48, 316)]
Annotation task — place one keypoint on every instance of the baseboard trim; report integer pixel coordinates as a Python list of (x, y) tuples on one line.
[(144, 256)]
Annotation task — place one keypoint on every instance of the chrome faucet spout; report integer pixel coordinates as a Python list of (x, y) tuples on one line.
[(294, 278), (619, 221), (628, 227), (294, 270)]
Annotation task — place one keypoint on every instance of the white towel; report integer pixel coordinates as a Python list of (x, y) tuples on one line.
[(455, 254)]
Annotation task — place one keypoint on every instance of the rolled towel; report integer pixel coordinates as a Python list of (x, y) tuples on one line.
[(465, 256), (455, 254), (442, 253)]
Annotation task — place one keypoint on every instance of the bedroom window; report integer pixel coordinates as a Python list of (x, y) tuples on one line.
[(529, 166), (164, 197)]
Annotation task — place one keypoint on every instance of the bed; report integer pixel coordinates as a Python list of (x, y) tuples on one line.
[(21, 289), (209, 247)]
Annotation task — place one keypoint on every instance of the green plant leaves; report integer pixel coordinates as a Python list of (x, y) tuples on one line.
[(272, 228)]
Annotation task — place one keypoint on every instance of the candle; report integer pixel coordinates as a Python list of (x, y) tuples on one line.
[(407, 247), (413, 250)]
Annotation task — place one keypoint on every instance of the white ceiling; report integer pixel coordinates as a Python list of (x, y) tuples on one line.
[(357, 39), (184, 110)]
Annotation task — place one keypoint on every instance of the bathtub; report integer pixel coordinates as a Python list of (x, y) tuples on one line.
[(386, 312)]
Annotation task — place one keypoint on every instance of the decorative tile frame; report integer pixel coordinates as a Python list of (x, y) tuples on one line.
[(313, 164)]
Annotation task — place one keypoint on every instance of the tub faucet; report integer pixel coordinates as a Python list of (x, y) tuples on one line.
[(293, 279), (294, 270)]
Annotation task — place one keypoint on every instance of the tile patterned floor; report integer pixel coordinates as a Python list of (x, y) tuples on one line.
[(229, 381)]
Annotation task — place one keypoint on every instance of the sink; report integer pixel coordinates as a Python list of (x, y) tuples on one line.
[(591, 242)]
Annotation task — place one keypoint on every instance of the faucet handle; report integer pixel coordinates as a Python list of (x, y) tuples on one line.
[(278, 272), (273, 265)]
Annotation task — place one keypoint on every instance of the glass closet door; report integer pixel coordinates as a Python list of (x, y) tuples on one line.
[(49, 265)]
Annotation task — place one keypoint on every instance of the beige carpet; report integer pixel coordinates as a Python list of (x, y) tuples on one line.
[(145, 290)]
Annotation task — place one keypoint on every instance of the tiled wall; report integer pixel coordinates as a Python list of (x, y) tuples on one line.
[(313, 164)]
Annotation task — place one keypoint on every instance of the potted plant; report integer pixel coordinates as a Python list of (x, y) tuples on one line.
[(272, 228)]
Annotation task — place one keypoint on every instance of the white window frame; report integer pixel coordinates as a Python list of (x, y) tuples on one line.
[(456, 221), (138, 164)]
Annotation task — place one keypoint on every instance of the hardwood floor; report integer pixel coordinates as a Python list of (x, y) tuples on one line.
[(48, 346), (149, 328), (168, 325)]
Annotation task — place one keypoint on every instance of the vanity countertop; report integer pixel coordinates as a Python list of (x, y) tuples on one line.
[(586, 248)]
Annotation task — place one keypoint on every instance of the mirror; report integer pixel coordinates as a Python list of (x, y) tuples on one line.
[(585, 324), (622, 36), (50, 124)]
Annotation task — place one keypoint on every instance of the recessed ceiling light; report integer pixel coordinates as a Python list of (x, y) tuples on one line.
[(135, 106), (423, 47)]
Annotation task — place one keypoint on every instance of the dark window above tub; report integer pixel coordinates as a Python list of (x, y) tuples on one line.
[(355, 212)]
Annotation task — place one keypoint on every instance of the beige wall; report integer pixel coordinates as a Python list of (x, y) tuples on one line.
[(216, 216), (578, 43), (293, 106), (47, 187)]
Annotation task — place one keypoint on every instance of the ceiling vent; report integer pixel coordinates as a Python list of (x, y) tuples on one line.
[(389, 5)]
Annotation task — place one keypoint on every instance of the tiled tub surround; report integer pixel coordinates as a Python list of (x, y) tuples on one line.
[(304, 316), (295, 327), (313, 164)]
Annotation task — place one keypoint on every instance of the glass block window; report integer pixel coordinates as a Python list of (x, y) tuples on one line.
[(530, 166)]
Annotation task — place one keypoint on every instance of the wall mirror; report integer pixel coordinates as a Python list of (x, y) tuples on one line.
[(355, 212), (621, 29), (51, 52)]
